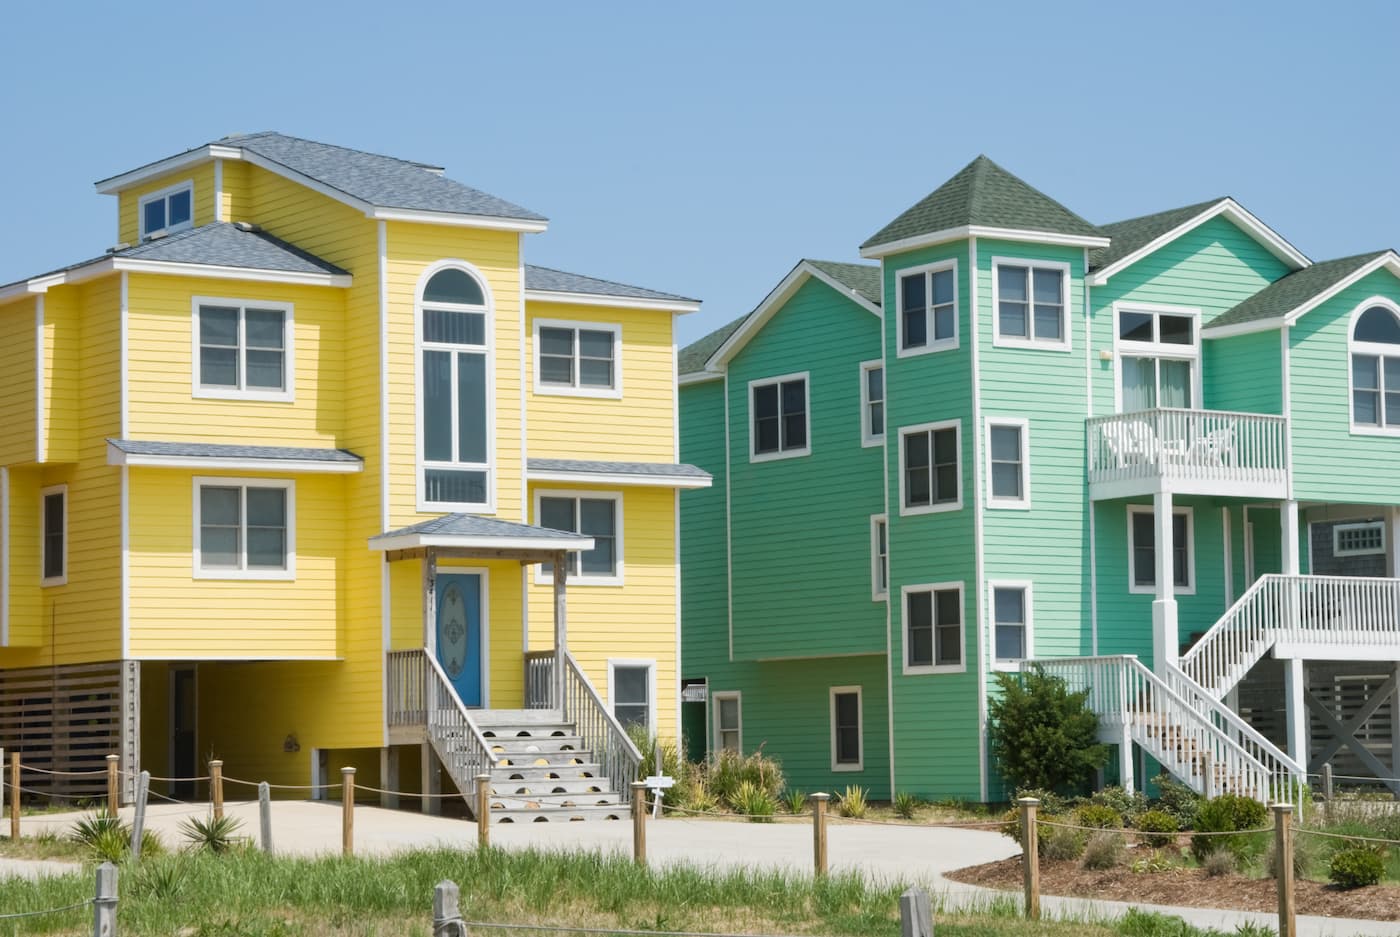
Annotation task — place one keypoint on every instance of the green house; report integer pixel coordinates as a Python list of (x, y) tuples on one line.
[(1160, 458)]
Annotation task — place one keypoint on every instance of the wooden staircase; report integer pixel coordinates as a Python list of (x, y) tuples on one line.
[(544, 772)]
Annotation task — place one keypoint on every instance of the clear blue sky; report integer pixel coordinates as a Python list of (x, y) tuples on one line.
[(703, 148)]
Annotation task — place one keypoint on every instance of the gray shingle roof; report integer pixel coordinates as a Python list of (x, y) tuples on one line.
[(658, 469), (550, 280), (1288, 293), (201, 450), (230, 245), (1134, 233), (986, 195), (474, 525), (692, 357), (862, 278)]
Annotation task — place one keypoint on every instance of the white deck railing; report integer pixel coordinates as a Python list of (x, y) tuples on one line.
[(1194, 446), (1338, 612)]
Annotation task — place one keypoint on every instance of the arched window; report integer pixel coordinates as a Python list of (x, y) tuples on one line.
[(454, 374), (1375, 368)]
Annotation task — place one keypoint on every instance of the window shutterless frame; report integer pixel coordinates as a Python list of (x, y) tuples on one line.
[(725, 731), (1035, 304), (582, 357), (1154, 349), (905, 434), (1373, 374), (1189, 544), (872, 403), (938, 662), (243, 486), (179, 196), (842, 757), (1008, 467), (1362, 539), (913, 338), (577, 575), (616, 699), (879, 557), (244, 347), (53, 535), (1027, 621), (792, 443)]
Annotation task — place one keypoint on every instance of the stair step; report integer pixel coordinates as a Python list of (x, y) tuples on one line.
[(561, 801), (507, 788), (491, 718), (559, 814), (542, 759), (534, 731), (539, 773), (563, 743)]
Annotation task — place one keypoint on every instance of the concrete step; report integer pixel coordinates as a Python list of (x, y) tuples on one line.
[(561, 743), (527, 773), (554, 786), (559, 814)]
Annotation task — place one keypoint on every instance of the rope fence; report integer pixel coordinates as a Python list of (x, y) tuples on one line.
[(16, 915)]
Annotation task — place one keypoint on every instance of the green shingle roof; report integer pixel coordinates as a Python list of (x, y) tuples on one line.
[(985, 195), (1283, 296), (863, 279), (1135, 233)]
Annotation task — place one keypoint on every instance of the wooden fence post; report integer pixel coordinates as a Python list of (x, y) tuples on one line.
[(915, 914), (347, 811), (216, 787), (1283, 853), (138, 822), (639, 822), (1030, 846), (483, 811), (1327, 782), (819, 833), (14, 795), (114, 783), (104, 903), (1207, 774), (3, 785), (447, 915), (265, 815)]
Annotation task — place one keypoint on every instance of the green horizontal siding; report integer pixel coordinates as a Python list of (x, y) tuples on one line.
[(704, 559), (1244, 373)]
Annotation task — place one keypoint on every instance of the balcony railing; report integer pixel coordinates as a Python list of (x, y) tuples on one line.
[(1188, 451)]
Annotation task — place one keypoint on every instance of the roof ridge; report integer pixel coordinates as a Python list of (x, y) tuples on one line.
[(1169, 211), (426, 167)]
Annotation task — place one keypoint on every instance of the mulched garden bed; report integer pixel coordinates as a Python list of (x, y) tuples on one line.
[(1188, 887)]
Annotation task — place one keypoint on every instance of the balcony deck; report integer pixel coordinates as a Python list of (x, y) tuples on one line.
[(1202, 452)]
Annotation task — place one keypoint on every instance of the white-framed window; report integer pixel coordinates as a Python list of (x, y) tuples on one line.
[(928, 308), (933, 628), (1012, 612), (729, 721), (930, 461), (1157, 355), (244, 528), (596, 514), (847, 735), (778, 418), (879, 557), (579, 359), (1008, 463), (1142, 550), (632, 693), (872, 403), (53, 545), (242, 349), (1030, 302), (169, 210), (1374, 348), (1363, 539), (455, 390)]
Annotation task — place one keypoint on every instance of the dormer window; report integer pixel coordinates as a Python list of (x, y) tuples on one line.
[(167, 211)]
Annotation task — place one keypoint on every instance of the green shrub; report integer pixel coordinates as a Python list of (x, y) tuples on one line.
[(754, 802), (1058, 842), (905, 805), (212, 834), (1219, 862), (1099, 816), (729, 769), (1355, 868), (699, 799), (1103, 850), (1127, 805), (1050, 802), (1043, 735), (794, 800), (1178, 800), (1158, 828), (1225, 814), (852, 803), (1305, 854), (105, 835)]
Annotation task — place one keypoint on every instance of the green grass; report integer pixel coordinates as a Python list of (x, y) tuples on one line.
[(251, 895)]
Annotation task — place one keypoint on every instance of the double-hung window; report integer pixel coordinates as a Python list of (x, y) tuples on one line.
[(933, 628), (167, 211), (1009, 463), (594, 515), (243, 529), (630, 690), (1031, 300), (928, 308), (53, 521), (1375, 369), (1011, 621), (578, 359), (847, 749), (879, 557), (243, 349), (1142, 550), (1159, 358), (872, 403), (778, 418), (929, 457), (729, 724), (454, 378)]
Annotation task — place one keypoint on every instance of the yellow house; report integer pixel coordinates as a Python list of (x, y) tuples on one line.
[(313, 470)]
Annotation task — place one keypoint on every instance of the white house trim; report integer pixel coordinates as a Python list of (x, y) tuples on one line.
[(473, 542), (716, 698), (867, 437), (878, 594), (681, 306), (116, 456), (115, 184), (1156, 349), (456, 220), (618, 478), (972, 231), (1028, 610), (40, 440), (699, 377), (161, 195), (1389, 260), (649, 664)]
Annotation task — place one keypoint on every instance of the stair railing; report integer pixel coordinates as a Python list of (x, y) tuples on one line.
[(1238, 640), (420, 693), (617, 757), (539, 680)]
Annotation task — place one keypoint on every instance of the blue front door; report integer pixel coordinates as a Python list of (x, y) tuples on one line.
[(459, 633)]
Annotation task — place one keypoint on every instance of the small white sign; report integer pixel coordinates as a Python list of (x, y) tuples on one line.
[(657, 784)]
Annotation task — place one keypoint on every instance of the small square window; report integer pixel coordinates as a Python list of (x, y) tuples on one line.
[(167, 211), (933, 628), (242, 349), (1031, 303), (599, 517), (577, 359), (243, 529), (778, 418), (930, 457), (928, 308)]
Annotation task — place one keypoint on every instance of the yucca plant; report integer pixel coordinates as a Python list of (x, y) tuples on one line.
[(905, 804), (852, 802), (106, 835), (794, 800), (211, 834), (754, 802)]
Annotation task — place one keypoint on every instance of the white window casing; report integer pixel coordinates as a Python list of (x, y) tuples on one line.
[(908, 489), (1189, 546), (999, 463), (53, 544), (242, 568), (837, 726), (728, 735), (618, 698), (1373, 375), (1363, 539), (789, 438), (933, 275), (1027, 622), (578, 576), (938, 659), (1036, 334), (873, 410), (879, 557), (213, 351), (1150, 347), (582, 359), (178, 197)]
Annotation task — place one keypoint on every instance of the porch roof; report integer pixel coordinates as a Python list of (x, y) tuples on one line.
[(661, 474), (474, 532)]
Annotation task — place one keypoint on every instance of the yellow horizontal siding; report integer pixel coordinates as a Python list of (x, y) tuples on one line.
[(63, 332), (174, 615), (17, 391), (638, 427), (235, 197), (129, 200), (26, 626), (635, 621), (412, 248), (161, 366)]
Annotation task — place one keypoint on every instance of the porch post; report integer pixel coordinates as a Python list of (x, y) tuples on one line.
[(1166, 641), (561, 638), (1125, 760), (430, 558), (432, 783), (1288, 518), (389, 776), (1294, 689)]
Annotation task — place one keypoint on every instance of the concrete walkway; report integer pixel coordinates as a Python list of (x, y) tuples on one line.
[(916, 855)]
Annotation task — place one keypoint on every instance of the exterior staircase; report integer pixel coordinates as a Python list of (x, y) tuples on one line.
[(544, 770)]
